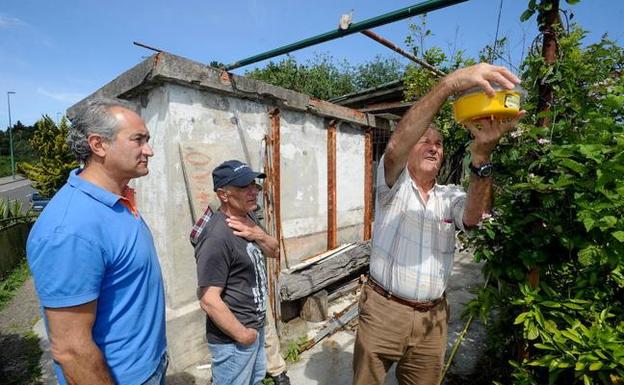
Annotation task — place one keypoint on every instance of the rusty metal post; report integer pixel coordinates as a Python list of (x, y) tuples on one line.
[(332, 229), (272, 209), (400, 51), (368, 183)]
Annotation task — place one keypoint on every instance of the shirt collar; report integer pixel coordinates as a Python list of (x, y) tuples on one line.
[(96, 192)]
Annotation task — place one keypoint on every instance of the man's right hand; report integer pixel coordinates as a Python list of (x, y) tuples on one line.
[(481, 75), (249, 337)]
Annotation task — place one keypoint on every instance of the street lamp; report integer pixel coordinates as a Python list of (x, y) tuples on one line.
[(11, 133)]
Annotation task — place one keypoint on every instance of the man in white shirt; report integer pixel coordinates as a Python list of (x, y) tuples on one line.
[(403, 308)]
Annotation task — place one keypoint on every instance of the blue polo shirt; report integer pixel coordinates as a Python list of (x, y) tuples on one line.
[(85, 246)]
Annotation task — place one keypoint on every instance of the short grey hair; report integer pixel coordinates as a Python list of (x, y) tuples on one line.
[(94, 118)]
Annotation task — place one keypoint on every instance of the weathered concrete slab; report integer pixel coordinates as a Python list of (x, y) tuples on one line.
[(167, 68)]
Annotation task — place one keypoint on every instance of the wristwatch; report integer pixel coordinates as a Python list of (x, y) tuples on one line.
[(483, 170)]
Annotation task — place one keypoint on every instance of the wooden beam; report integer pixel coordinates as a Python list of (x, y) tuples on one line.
[(324, 272), (332, 230)]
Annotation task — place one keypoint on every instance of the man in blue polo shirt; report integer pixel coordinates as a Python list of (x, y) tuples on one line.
[(93, 259)]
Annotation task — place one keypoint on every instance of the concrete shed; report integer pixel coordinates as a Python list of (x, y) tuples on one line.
[(318, 157)]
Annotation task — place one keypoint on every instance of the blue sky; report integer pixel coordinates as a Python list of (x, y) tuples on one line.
[(54, 53)]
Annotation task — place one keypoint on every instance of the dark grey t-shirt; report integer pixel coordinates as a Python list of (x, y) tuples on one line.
[(237, 265)]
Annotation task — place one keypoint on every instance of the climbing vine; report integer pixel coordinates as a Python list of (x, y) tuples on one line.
[(559, 212)]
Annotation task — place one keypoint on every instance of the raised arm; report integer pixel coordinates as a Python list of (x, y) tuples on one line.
[(486, 133), (419, 117), (73, 347)]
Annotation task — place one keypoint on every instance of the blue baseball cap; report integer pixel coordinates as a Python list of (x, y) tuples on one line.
[(234, 173)]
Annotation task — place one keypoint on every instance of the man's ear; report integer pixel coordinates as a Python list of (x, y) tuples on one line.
[(98, 145), (222, 195)]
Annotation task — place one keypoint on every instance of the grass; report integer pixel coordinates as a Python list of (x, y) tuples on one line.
[(267, 381), (13, 281), (19, 352)]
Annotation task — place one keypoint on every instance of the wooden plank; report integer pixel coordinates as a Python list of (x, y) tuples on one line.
[(323, 273), (330, 110), (310, 261)]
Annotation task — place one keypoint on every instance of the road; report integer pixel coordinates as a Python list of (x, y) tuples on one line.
[(18, 189)]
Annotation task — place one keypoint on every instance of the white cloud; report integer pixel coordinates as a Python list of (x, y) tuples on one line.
[(71, 97), (7, 21)]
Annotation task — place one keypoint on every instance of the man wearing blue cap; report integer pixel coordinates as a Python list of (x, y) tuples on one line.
[(232, 277)]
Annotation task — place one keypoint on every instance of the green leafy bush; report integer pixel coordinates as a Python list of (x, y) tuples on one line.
[(560, 216)]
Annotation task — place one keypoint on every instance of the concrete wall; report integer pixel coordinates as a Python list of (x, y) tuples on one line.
[(199, 117)]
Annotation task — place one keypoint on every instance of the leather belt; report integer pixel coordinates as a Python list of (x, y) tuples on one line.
[(421, 306)]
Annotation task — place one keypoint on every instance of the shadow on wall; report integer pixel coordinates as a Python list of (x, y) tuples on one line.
[(19, 359)]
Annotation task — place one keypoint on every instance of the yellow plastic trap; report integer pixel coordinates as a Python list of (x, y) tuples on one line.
[(475, 104)]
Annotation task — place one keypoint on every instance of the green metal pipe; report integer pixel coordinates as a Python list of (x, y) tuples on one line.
[(386, 18)]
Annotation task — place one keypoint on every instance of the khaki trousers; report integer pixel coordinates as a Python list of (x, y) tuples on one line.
[(275, 362), (390, 332)]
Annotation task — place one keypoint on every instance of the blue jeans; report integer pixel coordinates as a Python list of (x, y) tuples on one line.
[(158, 377), (236, 364)]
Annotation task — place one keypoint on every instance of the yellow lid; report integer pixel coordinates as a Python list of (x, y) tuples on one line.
[(475, 104)]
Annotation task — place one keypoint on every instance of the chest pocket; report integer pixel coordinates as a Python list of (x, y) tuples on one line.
[(446, 229)]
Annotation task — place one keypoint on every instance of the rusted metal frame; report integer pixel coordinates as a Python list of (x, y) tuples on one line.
[(337, 322), (332, 228), (414, 10), (147, 46), (272, 210), (368, 183), (402, 52)]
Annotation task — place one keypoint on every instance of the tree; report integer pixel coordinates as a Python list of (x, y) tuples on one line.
[(51, 170), (325, 78)]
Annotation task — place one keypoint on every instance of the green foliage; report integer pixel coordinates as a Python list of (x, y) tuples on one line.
[(22, 151), (295, 347), (11, 213), (559, 212), (50, 171), (13, 281), (539, 8), (324, 78)]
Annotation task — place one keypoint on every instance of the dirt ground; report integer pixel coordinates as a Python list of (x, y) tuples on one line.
[(19, 346)]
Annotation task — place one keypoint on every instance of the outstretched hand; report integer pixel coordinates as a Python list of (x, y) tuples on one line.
[(487, 134), (481, 75)]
